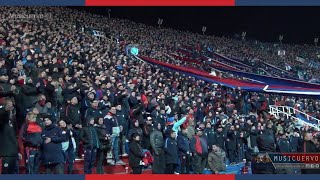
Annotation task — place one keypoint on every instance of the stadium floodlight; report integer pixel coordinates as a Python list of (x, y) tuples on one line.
[(280, 39), (243, 35), (109, 13), (160, 21), (204, 29), (316, 40)]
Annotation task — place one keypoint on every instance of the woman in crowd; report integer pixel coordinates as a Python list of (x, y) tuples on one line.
[(135, 154), (105, 144)]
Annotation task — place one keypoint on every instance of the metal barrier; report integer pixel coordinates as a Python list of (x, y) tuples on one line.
[(290, 112)]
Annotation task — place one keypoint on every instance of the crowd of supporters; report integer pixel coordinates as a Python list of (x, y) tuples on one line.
[(66, 94)]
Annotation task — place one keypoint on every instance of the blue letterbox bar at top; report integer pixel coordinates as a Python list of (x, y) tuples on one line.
[(42, 2)]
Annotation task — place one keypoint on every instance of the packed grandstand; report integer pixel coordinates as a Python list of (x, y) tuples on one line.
[(110, 92)]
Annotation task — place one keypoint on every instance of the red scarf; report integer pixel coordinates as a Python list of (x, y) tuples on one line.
[(198, 145)]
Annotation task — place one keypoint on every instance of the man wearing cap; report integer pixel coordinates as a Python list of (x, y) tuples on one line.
[(184, 151), (199, 149), (219, 138)]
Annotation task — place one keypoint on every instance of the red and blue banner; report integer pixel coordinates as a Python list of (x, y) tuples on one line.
[(285, 89)]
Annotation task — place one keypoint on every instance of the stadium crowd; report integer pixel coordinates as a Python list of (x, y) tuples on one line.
[(64, 93)]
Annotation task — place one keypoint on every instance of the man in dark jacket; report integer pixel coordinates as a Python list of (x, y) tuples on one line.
[(209, 134), (137, 112), (28, 98), (266, 140), (184, 151), (171, 153), (90, 139), (219, 138), (93, 111), (308, 146), (231, 145), (124, 122), (6, 89), (199, 149), (105, 145), (296, 141), (53, 156), (156, 141), (146, 133), (73, 118), (8, 140), (266, 143), (283, 144), (71, 91)]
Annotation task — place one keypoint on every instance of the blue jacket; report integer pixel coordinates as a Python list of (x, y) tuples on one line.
[(110, 122), (52, 152), (183, 144), (171, 150)]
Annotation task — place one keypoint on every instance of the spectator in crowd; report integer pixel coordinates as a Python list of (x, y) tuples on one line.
[(199, 149), (184, 151), (219, 137), (32, 141), (309, 147), (69, 145), (296, 141), (209, 134), (171, 153), (105, 144), (114, 128), (8, 140), (73, 119), (53, 155), (135, 154), (146, 133), (217, 160), (241, 142), (157, 144), (135, 129), (231, 145), (90, 139), (124, 124)]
